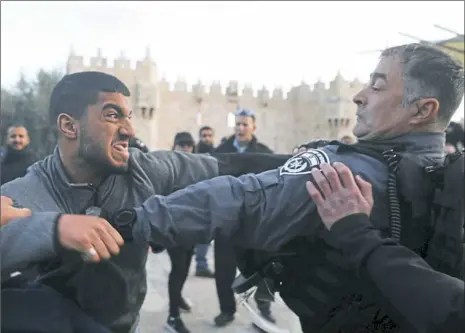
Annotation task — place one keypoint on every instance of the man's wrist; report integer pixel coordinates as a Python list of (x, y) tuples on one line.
[(123, 221), (347, 223), (348, 229), (59, 249)]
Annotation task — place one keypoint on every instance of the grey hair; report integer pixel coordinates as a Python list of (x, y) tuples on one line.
[(430, 73)]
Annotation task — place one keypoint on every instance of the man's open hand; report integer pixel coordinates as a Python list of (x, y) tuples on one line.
[(90, 235), (338, 194), (8, 212)]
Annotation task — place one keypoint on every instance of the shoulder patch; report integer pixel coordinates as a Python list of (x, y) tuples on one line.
[(304, 162)]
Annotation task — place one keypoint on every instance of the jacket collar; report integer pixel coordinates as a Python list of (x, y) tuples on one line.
[(76, 195)]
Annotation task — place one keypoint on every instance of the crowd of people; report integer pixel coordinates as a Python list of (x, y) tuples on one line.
[(247, 199)]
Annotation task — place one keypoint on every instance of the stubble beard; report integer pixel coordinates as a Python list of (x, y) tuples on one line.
[(95, 159)]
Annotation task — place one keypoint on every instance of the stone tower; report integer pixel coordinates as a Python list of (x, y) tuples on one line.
[(161, 109)]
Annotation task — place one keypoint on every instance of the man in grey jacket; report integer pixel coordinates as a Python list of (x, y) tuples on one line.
[(93, 169)]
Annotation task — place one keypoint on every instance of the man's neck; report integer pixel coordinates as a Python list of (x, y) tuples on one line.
[(242, 143), (78, 171)]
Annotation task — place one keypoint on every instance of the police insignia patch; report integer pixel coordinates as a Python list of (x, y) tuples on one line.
[(304, 162)]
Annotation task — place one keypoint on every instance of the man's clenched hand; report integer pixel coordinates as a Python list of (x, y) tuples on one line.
[(91, 235), (338, 194), (8, 212)]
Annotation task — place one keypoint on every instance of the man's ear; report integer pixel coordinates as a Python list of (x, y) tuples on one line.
[(427, 110), (254, 126), (68, 126)]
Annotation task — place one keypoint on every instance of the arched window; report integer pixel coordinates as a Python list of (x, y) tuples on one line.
[(231, 120), (199, 118)]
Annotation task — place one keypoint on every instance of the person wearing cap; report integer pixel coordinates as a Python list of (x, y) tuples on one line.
[(183, 141), (455, 137), (92, 169), (180, 257)]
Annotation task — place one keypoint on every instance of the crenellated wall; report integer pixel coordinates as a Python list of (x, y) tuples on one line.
[(283, 119)]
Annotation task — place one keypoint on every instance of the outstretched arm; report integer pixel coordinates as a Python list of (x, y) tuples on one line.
[(170, 171), (261, 211)]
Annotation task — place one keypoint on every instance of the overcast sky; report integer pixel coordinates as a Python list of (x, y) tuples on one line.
[(271, 43)]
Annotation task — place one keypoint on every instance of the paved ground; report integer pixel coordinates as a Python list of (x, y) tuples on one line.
[(202, 293)]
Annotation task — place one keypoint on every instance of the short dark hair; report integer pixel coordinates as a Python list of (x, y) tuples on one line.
[(430, 73), (205, 128), (17, 125), (75, 92)]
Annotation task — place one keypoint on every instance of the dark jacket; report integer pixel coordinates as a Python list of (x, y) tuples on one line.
[(253, 147), (455, 135), (15, 164), (423, 299), (203, 148)]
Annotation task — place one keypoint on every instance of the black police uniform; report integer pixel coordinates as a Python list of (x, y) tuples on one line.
[(267, 211)]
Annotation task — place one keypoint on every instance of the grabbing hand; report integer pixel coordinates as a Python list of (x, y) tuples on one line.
[(339, 194), (8, 212), (91, 235)]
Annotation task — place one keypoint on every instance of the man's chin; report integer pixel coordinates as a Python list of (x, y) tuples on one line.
[(116, 166), (120, 166), (360, 131)]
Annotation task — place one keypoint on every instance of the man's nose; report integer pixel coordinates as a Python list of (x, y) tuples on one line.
[(128, 130), (359, 99)]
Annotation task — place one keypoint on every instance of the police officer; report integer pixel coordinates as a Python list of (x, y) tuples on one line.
[(344, 205), (250, 210)]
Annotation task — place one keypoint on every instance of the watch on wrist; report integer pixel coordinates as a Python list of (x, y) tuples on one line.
[(123, 221)]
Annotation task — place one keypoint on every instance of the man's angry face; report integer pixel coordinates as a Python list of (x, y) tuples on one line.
[(105, 133)]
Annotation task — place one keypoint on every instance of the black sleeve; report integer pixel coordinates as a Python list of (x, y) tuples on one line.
[(237, 164), (408, 288)]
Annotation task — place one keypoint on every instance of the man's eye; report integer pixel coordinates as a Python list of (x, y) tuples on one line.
[(112, 116)]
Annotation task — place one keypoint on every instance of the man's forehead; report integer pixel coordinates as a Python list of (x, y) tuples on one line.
[(17, 130), (244, 119), (114, 98), (388, 68)]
